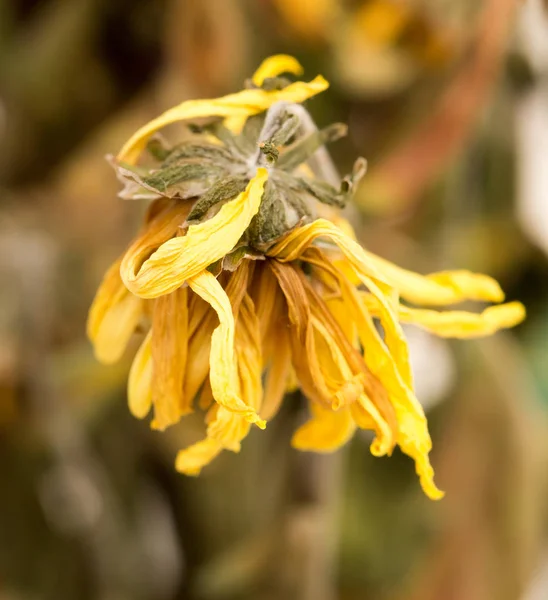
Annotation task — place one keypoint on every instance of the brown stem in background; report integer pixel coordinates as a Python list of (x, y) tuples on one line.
[(311, 531), (397, 181)]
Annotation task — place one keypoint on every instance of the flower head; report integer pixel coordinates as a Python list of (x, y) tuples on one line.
[(242, 284)]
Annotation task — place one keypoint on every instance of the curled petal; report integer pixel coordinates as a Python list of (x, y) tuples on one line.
[(227, 429), (457, 324), (276, 65), (241, 104), (199, 346), (113, 317), (447, 287), (191, 460), (413, 436), (367, 416), (223, 365), (162, 227), (182, 258), (139, 391)]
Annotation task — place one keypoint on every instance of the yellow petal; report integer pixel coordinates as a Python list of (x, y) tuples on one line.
[(113, 317), (413, 437), (270, 310), (343, 317), (446, 287), (191, 460), (182, 258), (323, 367), (267, 299), (169, 355), (199, 348), (457, 324), (276, 65), (227, 429), (249, 354), (394, 337), (326, 431), (442, 288), (223, 367), (241, 104), (162, 227), (367, 416), (205, 399), (277, 375), (342, 383), (301, 334), (139, 391), (201, 329)]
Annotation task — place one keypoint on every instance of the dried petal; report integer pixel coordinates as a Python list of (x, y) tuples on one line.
[(276, 65), (223, 368), (457, 324), (113, 317), (184, 257), (139, 390), (169, 354), (241, 104)]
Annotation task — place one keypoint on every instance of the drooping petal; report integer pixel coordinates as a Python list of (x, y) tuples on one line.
[(169, 355), (343, 317), (447, 287), (241, 104), (139, 389), (113, 317), (223, 365), (394, 338), (301, 334), (276, 65), (191, 460), (457, 324), (250, 366), (205, 400), (198, 356), (413, 437), (277, 375), (249, 353), (183, 257), (227, 429), (266, 296), (359, 371), (438, 289), (330, 371), (162, 227), (276, 351), (367, 416), (342, 383), (201, 329), (326, 431)]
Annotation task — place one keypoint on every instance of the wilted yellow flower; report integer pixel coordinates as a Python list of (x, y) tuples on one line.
[(242, 285)]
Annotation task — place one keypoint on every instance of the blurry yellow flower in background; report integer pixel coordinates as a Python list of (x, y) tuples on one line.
[(241, 284), (377, 47)]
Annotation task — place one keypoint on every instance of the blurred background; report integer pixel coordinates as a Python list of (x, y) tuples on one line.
[(448, 100)]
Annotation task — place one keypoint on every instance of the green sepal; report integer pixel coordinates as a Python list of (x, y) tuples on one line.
[(222, 190)]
